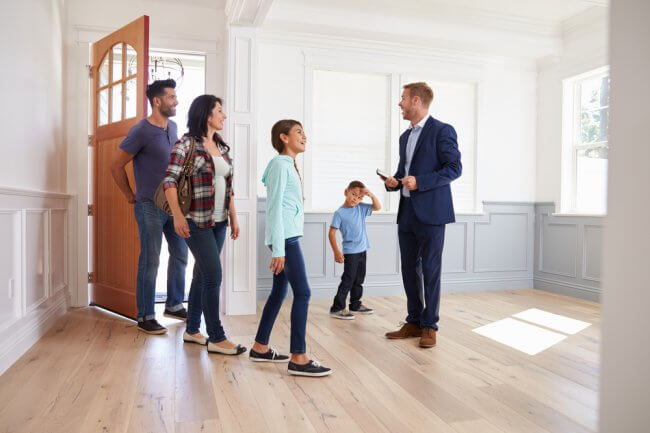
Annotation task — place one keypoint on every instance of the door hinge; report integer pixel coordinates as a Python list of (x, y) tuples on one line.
[(91, 210), (90, 70), (91, 277), (91, 139)]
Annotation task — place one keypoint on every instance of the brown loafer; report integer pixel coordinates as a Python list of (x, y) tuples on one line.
[(408, 330), (428, 338)]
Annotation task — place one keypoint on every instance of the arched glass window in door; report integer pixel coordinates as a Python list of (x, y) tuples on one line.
[(116, 91)]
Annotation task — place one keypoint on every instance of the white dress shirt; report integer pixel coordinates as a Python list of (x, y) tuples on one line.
[(410, 148)]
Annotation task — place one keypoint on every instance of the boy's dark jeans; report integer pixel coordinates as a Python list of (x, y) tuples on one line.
[(354, 273)]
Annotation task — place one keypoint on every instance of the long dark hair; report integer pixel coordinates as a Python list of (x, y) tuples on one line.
[(197, 119)]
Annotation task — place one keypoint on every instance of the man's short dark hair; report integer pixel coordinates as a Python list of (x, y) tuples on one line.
[(157, 88)]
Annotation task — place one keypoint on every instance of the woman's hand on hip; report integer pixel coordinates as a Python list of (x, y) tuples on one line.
[(277, 265), (181, 227)]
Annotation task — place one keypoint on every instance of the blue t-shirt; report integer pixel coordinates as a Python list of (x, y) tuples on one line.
[(151, 146), (351, 221)]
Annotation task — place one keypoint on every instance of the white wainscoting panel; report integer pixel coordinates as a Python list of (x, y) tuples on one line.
[(35, 253), (568, 251), (592, 252), (59, 245), (503, 247), (559, 248), (454, 254), (33, 267), (501, 243), (10, 267)]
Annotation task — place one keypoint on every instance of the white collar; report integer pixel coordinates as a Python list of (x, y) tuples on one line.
[(421, 122)]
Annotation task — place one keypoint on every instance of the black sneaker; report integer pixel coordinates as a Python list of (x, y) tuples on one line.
[(362, 310), (180, 314), (312, 368), (151, 326), (271, 355)]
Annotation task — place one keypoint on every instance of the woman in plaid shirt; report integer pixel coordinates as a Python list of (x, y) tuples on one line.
[(204, 229)]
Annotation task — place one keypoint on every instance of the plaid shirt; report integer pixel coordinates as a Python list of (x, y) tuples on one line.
[(202, 207)]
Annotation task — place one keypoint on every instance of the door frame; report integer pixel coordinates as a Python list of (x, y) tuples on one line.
[(78, 127)]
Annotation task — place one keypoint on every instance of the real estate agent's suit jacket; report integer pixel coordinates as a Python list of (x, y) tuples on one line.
[(435, 164)]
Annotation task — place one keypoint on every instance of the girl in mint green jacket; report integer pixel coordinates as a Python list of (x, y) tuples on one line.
[(284, 228)]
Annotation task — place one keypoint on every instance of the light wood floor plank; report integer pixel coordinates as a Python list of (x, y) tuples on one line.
[(94, 372)]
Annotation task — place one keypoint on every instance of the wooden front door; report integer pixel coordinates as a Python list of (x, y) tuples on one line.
[(119, 81)]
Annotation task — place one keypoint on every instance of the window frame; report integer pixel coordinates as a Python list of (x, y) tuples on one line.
[(572, 139)]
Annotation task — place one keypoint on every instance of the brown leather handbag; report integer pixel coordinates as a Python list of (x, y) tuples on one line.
[(184, 189)]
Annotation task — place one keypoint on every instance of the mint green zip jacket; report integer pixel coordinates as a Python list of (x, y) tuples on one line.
[(284, 214)]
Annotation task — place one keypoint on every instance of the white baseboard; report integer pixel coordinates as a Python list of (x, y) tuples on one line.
[(568, 289), (396, 289), (21, 335)]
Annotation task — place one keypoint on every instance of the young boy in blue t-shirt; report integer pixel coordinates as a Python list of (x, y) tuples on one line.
[(351, 220)]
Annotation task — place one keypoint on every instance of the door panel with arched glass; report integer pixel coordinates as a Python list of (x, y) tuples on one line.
[(119, 72)]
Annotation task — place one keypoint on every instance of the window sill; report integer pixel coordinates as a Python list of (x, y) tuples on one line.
[(578, 214)]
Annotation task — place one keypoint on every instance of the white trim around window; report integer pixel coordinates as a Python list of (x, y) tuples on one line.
[(584, 155)]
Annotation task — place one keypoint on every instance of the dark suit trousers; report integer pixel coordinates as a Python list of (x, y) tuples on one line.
[(421, 254)]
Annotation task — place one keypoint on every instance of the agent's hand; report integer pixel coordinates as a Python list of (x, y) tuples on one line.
[(338, 257), (277, 265), (234, 229), (181, 227), (410, 183), (391, 182)]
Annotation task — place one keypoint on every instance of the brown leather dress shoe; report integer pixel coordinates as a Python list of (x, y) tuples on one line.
[(408, 330), (428, 338)]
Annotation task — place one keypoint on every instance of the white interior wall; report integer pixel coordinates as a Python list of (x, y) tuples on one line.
[(32, 78), (506, 110), (625, 376), (584, 48), (33, 206)]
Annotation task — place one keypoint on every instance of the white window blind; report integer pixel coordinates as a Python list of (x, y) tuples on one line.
[(350, 134), (455, 103)]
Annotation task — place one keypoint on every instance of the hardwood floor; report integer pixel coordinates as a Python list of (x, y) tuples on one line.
[(94, 372)]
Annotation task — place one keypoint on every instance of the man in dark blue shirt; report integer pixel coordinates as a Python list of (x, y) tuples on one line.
[(149, 144)]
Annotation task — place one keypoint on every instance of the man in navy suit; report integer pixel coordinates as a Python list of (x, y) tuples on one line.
[(429, 161)]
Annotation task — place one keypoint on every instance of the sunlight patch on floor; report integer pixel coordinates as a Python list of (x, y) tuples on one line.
[(519, 335), (524, 334), (563, 324)]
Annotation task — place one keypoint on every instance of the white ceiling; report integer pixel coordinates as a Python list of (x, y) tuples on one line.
[(551, 12)]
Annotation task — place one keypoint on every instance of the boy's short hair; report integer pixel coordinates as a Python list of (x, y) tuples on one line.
[(356, 184)]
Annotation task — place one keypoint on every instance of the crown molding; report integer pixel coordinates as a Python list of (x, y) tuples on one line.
[(592, 20), (366, 49), (248, 13), (458, 15)]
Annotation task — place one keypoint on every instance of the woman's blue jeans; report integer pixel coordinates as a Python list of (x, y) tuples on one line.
[(206, 245)]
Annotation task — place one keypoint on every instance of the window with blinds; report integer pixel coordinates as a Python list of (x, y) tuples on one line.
[(350, 134)]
